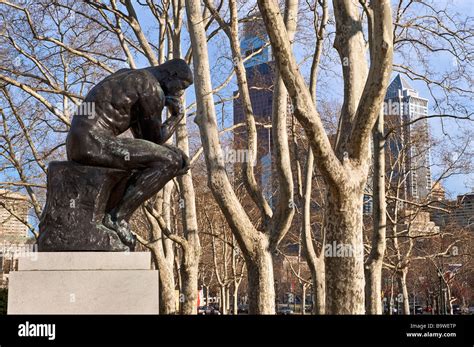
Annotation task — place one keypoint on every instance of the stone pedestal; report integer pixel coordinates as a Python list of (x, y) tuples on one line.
[(78, 197), (84, 283)]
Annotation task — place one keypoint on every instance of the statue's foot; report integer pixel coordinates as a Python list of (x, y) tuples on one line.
[(122, 229), (115, 244)]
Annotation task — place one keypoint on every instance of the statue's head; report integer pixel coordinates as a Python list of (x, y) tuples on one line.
[(174, 76)]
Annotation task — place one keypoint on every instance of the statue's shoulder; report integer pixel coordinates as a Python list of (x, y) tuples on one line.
[(132, 73), (123, 70), (140, 80), (141, 76)]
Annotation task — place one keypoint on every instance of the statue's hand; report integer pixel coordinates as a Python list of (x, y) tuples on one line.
[(174, 105)]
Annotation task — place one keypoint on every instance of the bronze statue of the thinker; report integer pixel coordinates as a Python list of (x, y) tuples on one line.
[(127, 99)]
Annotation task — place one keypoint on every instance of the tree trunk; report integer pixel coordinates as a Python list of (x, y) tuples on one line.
[(284, 209), (373, 288), (373, 267), (167, 285), (261, 286), (254, 245), (315, 262), (191, 253), (435, 307), (344, 172), (189, 276), (160, 252), (402, 283), (391, 301), (235, 308), (303, 299), (318, 279), (222, 299), (344, 257), (227, 299), (449, 299)]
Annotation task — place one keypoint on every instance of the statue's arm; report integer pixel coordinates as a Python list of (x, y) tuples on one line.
[(149, 125), (176, 114)]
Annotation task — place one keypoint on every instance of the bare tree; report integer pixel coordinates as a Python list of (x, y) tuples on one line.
[(257, 246), (344, 169)]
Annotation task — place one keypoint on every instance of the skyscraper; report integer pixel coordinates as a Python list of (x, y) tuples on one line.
[(405, 110), (260, 75)]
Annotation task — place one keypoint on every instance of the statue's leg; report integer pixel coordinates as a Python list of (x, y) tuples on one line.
[(165, 163), (144, 184), (152, 166)]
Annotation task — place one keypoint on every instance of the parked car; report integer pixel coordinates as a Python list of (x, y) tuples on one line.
[(242, 308), (208, 310), (457, 309), (202, 309), (418, 309), (285, 311)]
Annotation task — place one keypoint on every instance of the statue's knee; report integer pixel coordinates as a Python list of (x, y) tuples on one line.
[(79, 148), (178, 159), (81, 156)]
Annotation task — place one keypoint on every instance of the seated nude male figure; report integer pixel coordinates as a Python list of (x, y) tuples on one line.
[(133, 99)]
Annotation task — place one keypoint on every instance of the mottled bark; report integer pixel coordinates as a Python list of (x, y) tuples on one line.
[(345, 265), (303, 299), (167, 285), (249, 239), (345, 172), (248, 172), (235, 292), (261, 286), (165, 268), (284, 210), (189, 277), (191, 253), (350, 45), (279, 222), (373, 266), (315, 262), (402, 284)]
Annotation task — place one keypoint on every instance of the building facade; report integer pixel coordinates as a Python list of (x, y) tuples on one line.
[(459, 212), (407, 149), (464, 214), (13, 232), (405, 110), (260, 75)]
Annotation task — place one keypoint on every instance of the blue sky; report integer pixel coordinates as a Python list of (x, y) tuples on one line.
[(454, 185), (457, 184)]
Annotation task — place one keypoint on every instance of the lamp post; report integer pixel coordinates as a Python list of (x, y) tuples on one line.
[(430, 301), (440, 300), (445, 301), (276, 296)]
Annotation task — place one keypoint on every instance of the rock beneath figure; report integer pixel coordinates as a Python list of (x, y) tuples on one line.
[(78, 197)]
